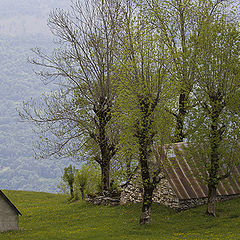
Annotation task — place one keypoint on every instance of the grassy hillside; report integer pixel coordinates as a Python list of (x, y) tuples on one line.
[(48, 217)]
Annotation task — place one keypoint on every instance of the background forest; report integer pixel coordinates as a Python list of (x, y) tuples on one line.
[(22, 27)]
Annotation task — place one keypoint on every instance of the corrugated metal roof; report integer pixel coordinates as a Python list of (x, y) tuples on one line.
[(182, 179)]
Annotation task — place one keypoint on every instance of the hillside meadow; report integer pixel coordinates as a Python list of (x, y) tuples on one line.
[(49, 217)]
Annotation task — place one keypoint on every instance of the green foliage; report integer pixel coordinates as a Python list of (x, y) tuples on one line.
[(143, 93), (215, 120), (69, 174), (176, 22), (142, 86), (81, 180), (87, 180), (69, 178), (49, 217)]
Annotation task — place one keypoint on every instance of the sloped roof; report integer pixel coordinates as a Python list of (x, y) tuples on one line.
[(9, 202), (182, 180)]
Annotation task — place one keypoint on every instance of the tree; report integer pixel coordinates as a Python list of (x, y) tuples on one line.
[(143, 90), (87, 179), (176, 21), (214, 121), (77, 119), (68, 178), (81, 180)]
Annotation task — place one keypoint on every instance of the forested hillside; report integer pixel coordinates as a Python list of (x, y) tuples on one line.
[(22, 27)]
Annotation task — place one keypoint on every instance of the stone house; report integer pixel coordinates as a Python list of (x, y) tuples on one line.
[(180, 189), (8, 214)]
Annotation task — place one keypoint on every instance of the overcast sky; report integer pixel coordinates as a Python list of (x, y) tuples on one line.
[(18, 17)]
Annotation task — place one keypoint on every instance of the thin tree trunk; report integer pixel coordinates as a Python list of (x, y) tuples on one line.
[(179, 134), (71, 191), (82, 192)]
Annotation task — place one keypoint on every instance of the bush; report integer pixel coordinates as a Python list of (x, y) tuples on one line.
[(87, 180)]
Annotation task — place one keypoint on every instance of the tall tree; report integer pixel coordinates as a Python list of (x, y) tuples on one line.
[(215, 121), (142, 94), (176, 21), (77, 118)]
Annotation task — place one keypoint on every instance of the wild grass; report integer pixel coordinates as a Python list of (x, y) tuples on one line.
[(49, 217)]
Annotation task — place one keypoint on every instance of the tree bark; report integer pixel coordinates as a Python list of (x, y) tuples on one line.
[(145, 140), (147, 189), (185, 81), (179, 134), (212, 194), (105, 169), (82, 192), (71, 191), (104, 115), (215, 139), (146, 205)]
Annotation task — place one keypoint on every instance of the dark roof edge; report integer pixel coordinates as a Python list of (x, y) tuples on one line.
[(9, 202)]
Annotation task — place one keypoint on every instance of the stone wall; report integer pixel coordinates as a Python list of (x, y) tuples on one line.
[(164, 194), (194, 202), (132, 192), (185, 204)]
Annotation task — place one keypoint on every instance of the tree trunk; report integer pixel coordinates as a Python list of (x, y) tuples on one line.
[(212, 194), (147, 183), (105, 168), (104, 116), (146, 205), (179, 134), (215, 139), (82, 192), (145, 140), (71, 191)]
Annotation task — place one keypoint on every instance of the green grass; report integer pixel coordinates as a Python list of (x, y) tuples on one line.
[(48, 217)]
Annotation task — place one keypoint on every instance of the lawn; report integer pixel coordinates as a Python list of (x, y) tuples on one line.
[(49, 217)]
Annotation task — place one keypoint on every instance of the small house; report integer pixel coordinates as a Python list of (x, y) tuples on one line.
[(8, 214), (180, 189)]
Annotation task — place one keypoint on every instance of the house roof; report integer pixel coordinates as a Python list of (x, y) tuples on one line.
[(187, 185), (9, 202)]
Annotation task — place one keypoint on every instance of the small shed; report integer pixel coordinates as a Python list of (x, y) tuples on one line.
[(9, 214), (180, 188)]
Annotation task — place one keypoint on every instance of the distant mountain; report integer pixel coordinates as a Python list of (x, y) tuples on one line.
[(22, 27)]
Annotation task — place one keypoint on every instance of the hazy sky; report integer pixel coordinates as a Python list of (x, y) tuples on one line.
[(19, 17)]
